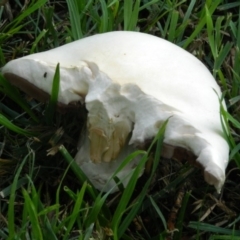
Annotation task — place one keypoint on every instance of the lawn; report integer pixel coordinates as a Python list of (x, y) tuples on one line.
[(43, 193)]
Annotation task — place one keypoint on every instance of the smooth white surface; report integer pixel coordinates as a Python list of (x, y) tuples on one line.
[(133, 82)]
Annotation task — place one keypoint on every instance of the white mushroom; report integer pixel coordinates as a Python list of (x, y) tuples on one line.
[(131, 83)]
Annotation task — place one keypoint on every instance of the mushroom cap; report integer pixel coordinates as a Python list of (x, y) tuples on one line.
[(131, 83)]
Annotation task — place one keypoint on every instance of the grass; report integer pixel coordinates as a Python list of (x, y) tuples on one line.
[(43, 194)]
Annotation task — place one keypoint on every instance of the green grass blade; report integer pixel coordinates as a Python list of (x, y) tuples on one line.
[(185, 172), (147, 4), (11, 212), (78, 172), (127, 14), (50, 109), (39, 37), (122, 206), (48, 210), (9, 125), (186, 19), (213, 229), (127, 220), (76, 209), (32, 8), (96, 209), (20, 183), (54, 223), (33, 216), (134, 16), (234, 153), (210, 30), (201, 24), (222, 55), (2, 58), (181, 215), (50, 28), (74, 19), (173, 26), (104, 17), (13, 93), (159, 212), (88, 232), (223, 237), (124, 163), (228, 6)]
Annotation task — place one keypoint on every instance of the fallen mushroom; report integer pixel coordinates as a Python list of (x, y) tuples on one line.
[(130, 84)]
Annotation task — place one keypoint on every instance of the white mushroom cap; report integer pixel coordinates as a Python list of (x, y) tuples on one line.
[(131, 83)]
